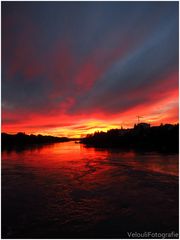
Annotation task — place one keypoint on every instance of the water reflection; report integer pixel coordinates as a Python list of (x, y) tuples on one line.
[(67, 190)]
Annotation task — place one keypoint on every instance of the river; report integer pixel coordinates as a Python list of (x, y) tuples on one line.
[(66, 190)]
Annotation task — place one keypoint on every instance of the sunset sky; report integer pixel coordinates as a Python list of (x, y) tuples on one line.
[(71, 68)]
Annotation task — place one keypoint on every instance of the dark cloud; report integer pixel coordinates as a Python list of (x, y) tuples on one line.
[(86, 57)]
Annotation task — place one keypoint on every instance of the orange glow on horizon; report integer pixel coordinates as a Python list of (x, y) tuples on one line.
[(155, 112), (90, 127)]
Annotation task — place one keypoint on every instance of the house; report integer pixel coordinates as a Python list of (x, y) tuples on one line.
[(141, 126)]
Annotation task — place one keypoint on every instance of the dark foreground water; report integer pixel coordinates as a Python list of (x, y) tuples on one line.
[(65, 190)]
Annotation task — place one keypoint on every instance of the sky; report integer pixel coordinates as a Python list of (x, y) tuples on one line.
[(72, 68)]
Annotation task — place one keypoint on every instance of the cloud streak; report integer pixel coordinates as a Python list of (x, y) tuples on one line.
[(67, 66)]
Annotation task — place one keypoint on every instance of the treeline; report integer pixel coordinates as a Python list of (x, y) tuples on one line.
[(142, 137), (22, 139)]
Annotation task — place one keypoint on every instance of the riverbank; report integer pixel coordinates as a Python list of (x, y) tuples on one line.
[(164, 138), (22, 141)]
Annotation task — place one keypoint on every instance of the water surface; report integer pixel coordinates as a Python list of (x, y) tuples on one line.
[(66, 190)]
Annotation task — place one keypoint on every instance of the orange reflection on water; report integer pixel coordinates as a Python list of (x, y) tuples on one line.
[(66, 186), (77, 156)]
